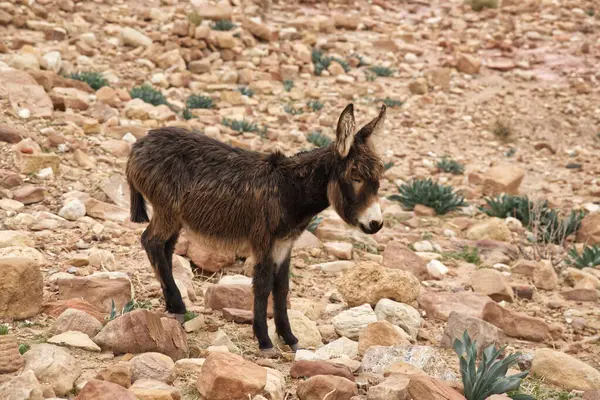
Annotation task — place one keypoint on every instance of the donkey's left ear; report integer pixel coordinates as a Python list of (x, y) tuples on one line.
[(375, 126)]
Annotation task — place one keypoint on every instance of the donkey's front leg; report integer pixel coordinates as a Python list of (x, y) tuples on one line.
[(262, 283), (281, 287)]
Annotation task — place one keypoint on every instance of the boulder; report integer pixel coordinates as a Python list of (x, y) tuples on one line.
[(10, 358), (519, 325), (76, 320), (439, 305), (15, 238), (206, 258), (425, 388), (369, 282), (483, 332), (23, 92), (399, 314), (100, 289), (303, 328), (74, 339), (236, 296), (148, 389), (22, 387), (98, 390), (119, 374), (54, 366), (397, 256), (544, 276), (491, 229), (492, 283), (351, 322), (21, 286), (135, 38), (141, 331), (394, 387), (504, 178), (338, 348), (56, 308), (155, 366), (306, 369), (381, 333), (326, 387), (589, 231), (564, 371)]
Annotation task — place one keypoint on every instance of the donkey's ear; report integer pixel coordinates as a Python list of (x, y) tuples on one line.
[(375, 126), (345, 131)]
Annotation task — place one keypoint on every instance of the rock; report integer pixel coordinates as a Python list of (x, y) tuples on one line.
[(141, 331), (340, 347), (238, 316), (222, 39), (259, 30), (207, 259), (119, 374), (493, 284), (564, 370), (398, 256), (33, 163), (334, 267), (227, 376), (589, 231), (74, 339), (15, 238), (25, 62), (591, 395), (22, 387), (189, 365), (56, 308), (483, 332), (306, 369), (73, 210), (275, 387), (304, 329), (10, 358), (346, 21), (9, 179), (394, 387), (235, 296), (341, 250), (402, 315), (155, 366), (351, 322), (424, 211), (24, 92), (425, 388), (440, 305), (148, 389), (214, 12), (98, 390), (504, 178), (544, 276), (580, 294), (54, 366), (369, 282), (51, 61), (9, 134), (439, 77), (418, 86), (28, 194), (468, 64), (381, 333), (326, 387), (491, 229), (21, 286), (520, 325), (132, 37), (105, 211), (100, 288)]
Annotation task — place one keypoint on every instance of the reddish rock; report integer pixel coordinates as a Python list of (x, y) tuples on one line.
[(99, 289), (505, 178), (483, 332), (226, 376), (468, 64), (581, 294), (306, 369), (241, 297), (10, 358), (24, 92), (328, 387), (238, 316), (206, 259), (101, 390), (120, 374), (29, 194), (519, 325), (440, 305), (399, 256), (523, 291), (56, 308), (9, 179), (589, 231), (423, 387), (424, 211), (381, 333), (9, 134), (492, 283)]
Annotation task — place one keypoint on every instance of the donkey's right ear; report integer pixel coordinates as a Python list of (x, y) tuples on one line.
[(345, 131)]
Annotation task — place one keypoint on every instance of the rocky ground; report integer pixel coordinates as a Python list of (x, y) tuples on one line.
[(511, 93)]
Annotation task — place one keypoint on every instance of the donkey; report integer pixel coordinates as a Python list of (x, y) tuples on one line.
[(250, 203)]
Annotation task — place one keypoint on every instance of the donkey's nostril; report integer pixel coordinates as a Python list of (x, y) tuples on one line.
[(375, 225)]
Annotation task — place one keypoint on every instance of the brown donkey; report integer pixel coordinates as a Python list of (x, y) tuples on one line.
[(250, 203)]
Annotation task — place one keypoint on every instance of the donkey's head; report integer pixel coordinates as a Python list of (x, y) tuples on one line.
[(354, 183)]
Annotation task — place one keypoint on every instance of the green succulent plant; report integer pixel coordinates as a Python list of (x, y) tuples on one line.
[(3, 329), (246, 91), (441, 198), (94, 79), (589, 257), (381, 71), (288, 85), (223, 25), (199, 101), (149, 95), (24, 348), (240, 125), (315, 105), (314, 224), (451, 166), (318, 139), (189, 315)]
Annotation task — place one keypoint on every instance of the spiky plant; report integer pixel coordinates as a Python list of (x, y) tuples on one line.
[(246, 91), (381, 71), (94, 79), (318, 139), (315, 105), (468, 254), (148, 94), (314, 224), (489, 378), (448, 165), (24, 348), (343, 63), (505, 206), (3, 329), (114, 313), (551, 228), (189, 315), (388, 165), (391, 103), (223, 25), (199, 101), (320, 61), (288, 85), (589, 257), (441, 198), (240, 125), (288, 108), (187, 114), (361, 60)]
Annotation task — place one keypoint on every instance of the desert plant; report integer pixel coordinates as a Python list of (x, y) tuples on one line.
[(24, 348), (148, 94), (589, 257), (480, 382), (240, 125), (388, 165), (381, 71), (509, 206), (314, 223), (288, 108), (468, 254), (318, 139), (441, 198), (343, 63), (223, 25), (94, 79), (3, 329), (288, 85), (478, 5), (391, 103), (448, 165), (361, 60), (322, 62), (199, 101), (315, 105), (189, 315), (502, 130), (114, 313), (246, 91), (548, 227), (187, 114)]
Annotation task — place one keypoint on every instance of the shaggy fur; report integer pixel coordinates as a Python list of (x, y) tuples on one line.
[(249, 203)]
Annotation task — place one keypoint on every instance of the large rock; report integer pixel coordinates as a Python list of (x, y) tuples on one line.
[(398, 256), (74, 339), (338, 348), (56, 308), (235, 296), (106, 211), (349, 323), (483, 332), (326, 387), (148, 389), (119, 374), (304, 329), (76, 320), (227, 376), (15, 238), (492, 283), (100, 289), (206, 258), (155, 366), (381, 333), (54, 366), (504, 178), (491, 229), (369, 282), (589, 231), (394, 387), (440, 305), (21, 286), (22, 387), (24, 92), (98, 390), (564, 370), (544, 276), (399, 314), (519, 325), (10, 358), (142, 331), (306, 369), (425, 388)]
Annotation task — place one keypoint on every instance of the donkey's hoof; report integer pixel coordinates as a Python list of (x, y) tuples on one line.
[(178, 317), (269, 353), (294, 347)]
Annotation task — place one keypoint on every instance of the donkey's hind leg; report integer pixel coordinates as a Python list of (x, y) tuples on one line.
[(281, 286)]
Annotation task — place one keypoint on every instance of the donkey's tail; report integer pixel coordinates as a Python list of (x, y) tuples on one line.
[(138, 206)]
